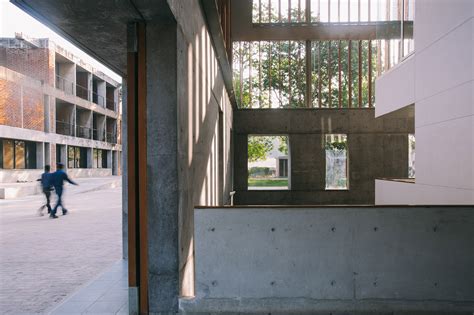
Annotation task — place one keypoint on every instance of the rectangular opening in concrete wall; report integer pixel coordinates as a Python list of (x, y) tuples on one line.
[(411, 156), (268, 162), (18, 154), (336, 161)]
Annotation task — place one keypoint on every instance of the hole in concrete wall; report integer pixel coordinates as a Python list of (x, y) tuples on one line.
[(336, 161), (268, 162)]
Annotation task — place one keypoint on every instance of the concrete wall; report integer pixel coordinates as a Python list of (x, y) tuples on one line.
[(201, 96), (89, 172), (377, 148), (444, 105), (333, 259)]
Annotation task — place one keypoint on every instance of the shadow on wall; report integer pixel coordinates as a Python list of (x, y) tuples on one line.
[(201, 182)]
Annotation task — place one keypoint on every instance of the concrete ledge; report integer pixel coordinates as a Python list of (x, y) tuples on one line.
[(12, 192)]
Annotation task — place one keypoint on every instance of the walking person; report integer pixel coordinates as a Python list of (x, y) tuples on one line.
[(58, 179), (47, 187)]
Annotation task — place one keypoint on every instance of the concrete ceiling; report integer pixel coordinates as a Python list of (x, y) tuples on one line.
[(98, 27)]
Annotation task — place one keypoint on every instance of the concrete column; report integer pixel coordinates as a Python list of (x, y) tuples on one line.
[(110, 159), (47, 113), (90, 158), (124, 172), (162, 170), (101, 92), (308, 162), (40, 146), (240, 162)]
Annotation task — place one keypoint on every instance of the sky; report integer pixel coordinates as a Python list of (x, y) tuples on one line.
[(13, 20)]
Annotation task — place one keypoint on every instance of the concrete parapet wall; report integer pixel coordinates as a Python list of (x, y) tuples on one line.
[(89, 172), (333, 259)]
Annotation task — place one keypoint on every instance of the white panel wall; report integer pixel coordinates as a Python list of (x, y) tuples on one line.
[(444, 107), (398, 193), (388, 98)]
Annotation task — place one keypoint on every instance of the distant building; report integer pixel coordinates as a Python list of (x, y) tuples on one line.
[(55, 108)]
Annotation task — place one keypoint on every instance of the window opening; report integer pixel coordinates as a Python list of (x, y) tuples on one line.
[(268, 162), (336, 161), (411, 156)]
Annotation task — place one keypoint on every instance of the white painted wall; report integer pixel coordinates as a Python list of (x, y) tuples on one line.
[(388, 98), (444, 106)]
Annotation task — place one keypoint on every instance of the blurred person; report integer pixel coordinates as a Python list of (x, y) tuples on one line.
[(58, 179), (47, 187)]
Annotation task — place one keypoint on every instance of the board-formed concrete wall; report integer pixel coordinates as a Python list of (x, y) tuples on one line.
[(377, 148), (359, 258)]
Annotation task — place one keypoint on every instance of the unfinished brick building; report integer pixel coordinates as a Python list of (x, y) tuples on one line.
[(55, 108)]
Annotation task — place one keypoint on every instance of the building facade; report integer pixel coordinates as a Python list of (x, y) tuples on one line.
[(54, 108)]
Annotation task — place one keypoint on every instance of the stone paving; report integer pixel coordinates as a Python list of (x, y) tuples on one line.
[(43, 260)]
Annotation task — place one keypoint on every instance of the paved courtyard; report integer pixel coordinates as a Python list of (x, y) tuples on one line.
[(42, 261)]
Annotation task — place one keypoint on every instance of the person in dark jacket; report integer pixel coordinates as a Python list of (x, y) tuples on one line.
[(58, 179), (47, 187)]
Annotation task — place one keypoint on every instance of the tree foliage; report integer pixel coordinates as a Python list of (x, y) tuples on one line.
[(259, 147), (273, 74)]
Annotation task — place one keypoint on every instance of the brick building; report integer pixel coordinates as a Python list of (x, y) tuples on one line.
[(55, 108)]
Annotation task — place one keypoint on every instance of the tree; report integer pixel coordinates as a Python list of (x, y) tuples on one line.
[(273, 74), (259, 147), (283, 146)]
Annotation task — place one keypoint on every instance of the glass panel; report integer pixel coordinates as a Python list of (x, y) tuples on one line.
[(8, 154), (408, 19), (19, 154), (411, 156), (268, 166), (99, 158), (336, 161), (70, 157)]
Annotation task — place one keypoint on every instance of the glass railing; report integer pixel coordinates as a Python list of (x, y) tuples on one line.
[(112, 137), (64, 84), (98, 135), (83, 132), (64, 128), (98, 99), (82, 92), (110, 104)]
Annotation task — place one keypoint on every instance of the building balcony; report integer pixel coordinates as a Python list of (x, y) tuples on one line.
[(112, 137), (82, 92), (83, 132), (64, 128), (65, 85)]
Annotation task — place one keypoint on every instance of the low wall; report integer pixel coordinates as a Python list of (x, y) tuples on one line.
[(14, 176), (333, 259), (89, 172)]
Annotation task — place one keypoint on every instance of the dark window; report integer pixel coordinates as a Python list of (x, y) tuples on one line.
[(104, 159), (70, 157), (31, 155), (8, 154), (17, 154), (59, 158), (82, 157)]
